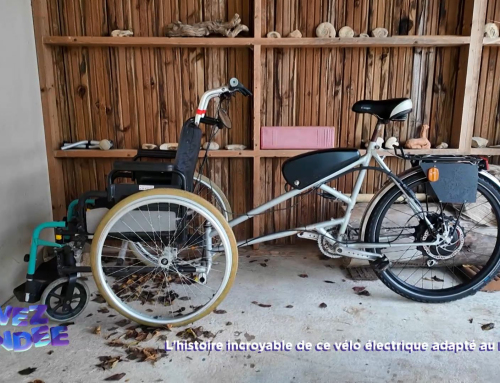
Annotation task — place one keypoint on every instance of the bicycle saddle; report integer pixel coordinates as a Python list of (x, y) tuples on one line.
[(396, 109)]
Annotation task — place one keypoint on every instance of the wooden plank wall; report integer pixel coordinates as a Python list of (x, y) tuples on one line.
[(487, 123), (138, 95), (319, 86)]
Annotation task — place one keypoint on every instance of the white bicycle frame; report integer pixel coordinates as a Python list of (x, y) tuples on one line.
[(323, 227)]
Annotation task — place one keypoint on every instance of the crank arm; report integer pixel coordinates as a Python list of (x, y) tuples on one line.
[(308, 235)]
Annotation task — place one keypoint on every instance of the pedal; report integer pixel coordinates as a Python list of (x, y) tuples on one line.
[(309, 236), (382, 264)]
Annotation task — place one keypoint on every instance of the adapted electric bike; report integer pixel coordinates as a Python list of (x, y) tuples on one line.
[(162, 255)]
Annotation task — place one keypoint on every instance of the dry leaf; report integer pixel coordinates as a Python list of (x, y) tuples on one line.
[(323, 306), (97, 330), (289, 307), (220, 312), (27, 371), (329, 282), (115, 378), (488, 326), (303, 275)]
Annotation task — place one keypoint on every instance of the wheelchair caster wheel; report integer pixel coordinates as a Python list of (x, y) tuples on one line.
[(60, 310)]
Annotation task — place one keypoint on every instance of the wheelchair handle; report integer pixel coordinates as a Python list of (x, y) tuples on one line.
[(236, 86)]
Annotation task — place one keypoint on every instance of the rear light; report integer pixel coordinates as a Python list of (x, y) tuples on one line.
[(433, 174), (486, 163)]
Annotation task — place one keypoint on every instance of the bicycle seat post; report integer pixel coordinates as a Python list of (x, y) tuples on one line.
[(378, 130)]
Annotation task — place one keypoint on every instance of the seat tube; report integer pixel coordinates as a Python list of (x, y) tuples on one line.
[(355, 192)]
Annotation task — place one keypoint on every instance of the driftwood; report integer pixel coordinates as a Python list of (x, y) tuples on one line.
[(422, 142), (229, 29)]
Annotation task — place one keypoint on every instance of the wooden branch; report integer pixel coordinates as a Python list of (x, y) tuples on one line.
[(229, 29)]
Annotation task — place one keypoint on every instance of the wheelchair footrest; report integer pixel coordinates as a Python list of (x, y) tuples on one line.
[(45, 274)]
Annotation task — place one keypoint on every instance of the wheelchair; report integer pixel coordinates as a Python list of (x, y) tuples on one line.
[(148, 256)]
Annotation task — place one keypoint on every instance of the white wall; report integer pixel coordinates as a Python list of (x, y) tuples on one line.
[(24, 186)]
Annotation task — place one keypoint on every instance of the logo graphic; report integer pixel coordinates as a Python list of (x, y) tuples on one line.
[(39, 336)]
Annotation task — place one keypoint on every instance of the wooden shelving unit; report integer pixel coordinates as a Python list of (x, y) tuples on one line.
[(471, 47)]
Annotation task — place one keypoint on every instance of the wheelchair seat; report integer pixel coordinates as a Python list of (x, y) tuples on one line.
[(387, 110)]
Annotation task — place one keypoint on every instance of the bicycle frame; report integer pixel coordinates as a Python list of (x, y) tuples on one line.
[(350, 201)]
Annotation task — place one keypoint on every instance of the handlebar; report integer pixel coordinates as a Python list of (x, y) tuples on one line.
[(233, 87), (236, 86)]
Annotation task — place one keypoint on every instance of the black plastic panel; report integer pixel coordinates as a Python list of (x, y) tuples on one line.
[(307, 169), (457, 181)]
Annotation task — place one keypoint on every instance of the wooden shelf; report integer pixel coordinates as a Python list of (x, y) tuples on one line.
[(486, 152), (129, 153), (242, 42), (149, 42), (488, 41), (365, 42)]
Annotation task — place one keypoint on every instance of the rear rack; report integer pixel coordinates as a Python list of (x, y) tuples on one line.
[(417, 159)]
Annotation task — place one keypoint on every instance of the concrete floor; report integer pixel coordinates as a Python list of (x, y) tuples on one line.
[(383, 316)]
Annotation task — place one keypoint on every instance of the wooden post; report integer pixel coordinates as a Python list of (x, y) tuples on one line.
[(49, 108), (257, 95), (468, 80)]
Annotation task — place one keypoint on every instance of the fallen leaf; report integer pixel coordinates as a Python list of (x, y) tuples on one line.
[(112, 328), (289, 307), (220, 312), (123, 322), (329, 282), (263, 305), (263, 264), (115, 378), (89, 315), (229, 323), (303, 275), (361, 291), (249, 337), (50, 352), (253, 260), (27, 371), (103, 310), (37, 381), (99, 299), (97, 330), (108, 362), (66, 324), (488, 326), (323, 306), (471, 320)]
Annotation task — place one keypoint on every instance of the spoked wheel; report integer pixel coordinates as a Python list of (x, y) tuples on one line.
[(178, 233), (58, 308), (439, 273), (208, 190)]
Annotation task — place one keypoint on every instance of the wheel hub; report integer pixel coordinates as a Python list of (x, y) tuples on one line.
[(454, 238), (168, 256)]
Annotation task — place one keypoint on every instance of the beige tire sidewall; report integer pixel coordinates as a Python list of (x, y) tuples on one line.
[(166, 192)]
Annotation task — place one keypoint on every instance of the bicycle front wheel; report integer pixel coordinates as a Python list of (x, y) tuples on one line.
[(457, 268), (178, 283)]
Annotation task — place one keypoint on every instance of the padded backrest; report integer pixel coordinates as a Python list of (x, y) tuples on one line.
[(188, 151)]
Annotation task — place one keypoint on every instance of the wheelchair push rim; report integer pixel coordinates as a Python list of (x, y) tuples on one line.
[(178, 288)]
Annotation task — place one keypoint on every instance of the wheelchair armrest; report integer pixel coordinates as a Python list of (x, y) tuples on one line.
[(129, 166)]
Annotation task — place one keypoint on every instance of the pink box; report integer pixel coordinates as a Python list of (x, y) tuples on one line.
[(297, 137)]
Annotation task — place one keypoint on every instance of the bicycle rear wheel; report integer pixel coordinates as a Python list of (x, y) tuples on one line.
[(177, 284), (444, 273)]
